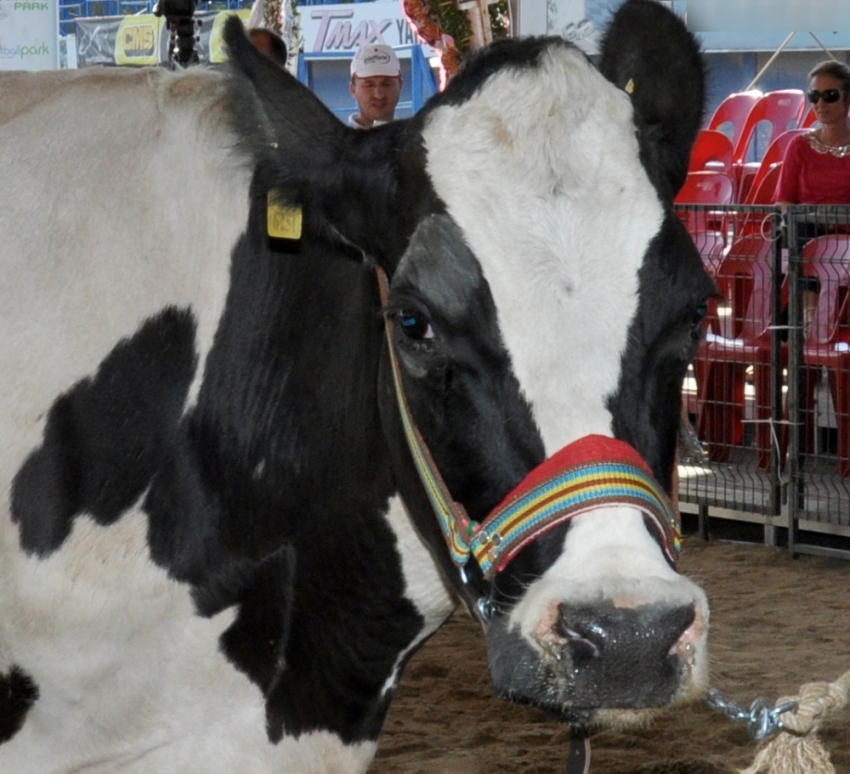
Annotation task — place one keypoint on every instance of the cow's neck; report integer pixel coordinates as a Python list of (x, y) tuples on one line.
[(242, 508)]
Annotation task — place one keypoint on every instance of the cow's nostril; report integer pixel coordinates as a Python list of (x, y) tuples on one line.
[(582, 649), (584, 635)]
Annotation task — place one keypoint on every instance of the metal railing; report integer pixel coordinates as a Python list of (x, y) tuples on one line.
[(769, 390)]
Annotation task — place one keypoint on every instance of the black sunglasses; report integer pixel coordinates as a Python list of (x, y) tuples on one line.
[(827, 95)]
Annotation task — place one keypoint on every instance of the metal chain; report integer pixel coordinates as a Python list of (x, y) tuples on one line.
[(762, 720)]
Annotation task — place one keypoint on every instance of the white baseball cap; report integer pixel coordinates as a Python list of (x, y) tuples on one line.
[(375, 60)]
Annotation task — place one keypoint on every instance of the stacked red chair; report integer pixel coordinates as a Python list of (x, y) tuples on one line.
[(707, 228), (731, 114), (777, 110), (712, 152), (827, 345), (745, 278), (773, 156), (809, 119)]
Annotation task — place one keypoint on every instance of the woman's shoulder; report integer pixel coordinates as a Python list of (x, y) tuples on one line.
[(797, 148), (804, 140)]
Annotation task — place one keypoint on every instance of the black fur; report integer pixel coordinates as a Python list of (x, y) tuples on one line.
[(649, 51), (284, 449), (18, 692), (104, 437), (667, 87), (469, 376), (663, 340)]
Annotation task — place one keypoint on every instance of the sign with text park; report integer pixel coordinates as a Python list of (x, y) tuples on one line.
[(29, 35)]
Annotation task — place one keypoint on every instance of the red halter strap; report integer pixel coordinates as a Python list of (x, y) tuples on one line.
[(591, 473)]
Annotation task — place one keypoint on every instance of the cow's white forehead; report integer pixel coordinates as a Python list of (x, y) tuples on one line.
[(541, 171)]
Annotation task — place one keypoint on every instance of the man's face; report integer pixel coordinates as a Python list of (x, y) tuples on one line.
[(376, 97)]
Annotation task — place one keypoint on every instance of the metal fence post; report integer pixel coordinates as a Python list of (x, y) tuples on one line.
[(776, 409), (796, 493)]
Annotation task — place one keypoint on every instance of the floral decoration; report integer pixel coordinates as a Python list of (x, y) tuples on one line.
[(272, 15), (444, 26)]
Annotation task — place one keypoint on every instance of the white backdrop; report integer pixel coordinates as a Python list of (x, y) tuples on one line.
[(29, 34), (582, 21)]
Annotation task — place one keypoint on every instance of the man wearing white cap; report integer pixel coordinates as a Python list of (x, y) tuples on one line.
[(375, 84)]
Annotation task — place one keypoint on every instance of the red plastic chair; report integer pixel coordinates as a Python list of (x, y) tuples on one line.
[(757, 224), (705, 188), (782, 110), (774, 154), (712, 152), (730, 117), (765, 191), (745, 278), (828, 342)]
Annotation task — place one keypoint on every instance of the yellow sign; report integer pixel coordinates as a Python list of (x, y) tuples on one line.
[(137, 41), (283, 222)]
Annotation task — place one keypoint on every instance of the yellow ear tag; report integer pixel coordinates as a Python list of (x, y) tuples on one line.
[(630, 86), (282, 222)]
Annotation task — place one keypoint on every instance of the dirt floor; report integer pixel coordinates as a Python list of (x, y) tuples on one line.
[(776, 623)]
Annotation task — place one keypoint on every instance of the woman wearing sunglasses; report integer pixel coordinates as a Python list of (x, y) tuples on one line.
[(816, 168)]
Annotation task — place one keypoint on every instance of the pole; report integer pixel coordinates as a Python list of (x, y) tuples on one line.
[(770, 61), (828, 52)]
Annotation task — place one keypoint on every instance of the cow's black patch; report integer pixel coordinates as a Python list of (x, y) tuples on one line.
[(663, 339), (256, 641), (267, 500), (18, 692), (666, 84), (352, 622), (104, 438), (667, 89)]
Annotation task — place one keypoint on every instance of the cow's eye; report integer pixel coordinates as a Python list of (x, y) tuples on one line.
[(699, 314), (415, 325)]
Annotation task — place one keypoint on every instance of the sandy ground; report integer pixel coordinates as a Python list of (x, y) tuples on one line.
[(776, 623)]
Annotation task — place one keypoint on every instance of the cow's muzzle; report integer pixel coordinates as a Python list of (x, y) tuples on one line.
[(599, 657)]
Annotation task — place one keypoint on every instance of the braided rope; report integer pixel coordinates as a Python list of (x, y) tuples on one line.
[(797, 748)]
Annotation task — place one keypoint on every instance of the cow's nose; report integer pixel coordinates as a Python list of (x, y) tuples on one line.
[(644, 634), (594, 656)]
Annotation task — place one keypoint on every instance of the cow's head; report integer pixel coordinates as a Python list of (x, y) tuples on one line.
[(541, 291)]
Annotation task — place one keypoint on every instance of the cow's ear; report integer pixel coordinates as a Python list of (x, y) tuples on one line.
[(648, 52), (301, 125), (344, 178)]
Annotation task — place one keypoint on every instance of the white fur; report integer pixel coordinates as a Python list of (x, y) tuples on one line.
[(542, 174), (424, 585), (84, 267)]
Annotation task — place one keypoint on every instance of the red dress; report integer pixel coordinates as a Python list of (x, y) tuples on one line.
[(814, 173)]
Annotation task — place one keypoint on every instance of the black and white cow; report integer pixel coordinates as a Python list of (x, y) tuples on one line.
[(205, 562)]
